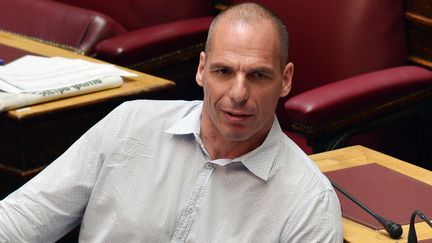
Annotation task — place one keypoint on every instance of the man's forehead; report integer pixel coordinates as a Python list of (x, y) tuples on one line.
[(254, 40), (241, 33)]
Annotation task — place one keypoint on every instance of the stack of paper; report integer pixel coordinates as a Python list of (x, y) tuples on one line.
[(33, 79)]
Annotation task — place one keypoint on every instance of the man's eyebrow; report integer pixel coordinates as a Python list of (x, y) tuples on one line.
[(258, 69), (266, 70), (219, 65)]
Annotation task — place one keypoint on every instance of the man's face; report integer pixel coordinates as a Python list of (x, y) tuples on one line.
[(243, 78)]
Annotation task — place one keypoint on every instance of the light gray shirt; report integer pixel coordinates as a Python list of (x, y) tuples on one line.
[(142, 175)]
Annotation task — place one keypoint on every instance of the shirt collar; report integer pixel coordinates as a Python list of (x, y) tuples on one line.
[(259, 161), (190, 124)]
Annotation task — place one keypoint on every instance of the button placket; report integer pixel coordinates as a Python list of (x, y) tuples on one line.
[(190, 211)]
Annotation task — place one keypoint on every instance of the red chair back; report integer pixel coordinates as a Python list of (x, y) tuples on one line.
[(136, 14), (57, 23), (335, 39)]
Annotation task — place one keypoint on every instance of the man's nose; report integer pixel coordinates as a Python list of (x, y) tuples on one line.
[(239, 91)]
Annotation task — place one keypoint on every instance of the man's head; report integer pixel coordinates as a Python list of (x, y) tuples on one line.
[(243, 72), (251, 13)]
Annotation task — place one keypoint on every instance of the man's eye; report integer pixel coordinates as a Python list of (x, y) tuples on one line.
[(259, 75), (222, 71)]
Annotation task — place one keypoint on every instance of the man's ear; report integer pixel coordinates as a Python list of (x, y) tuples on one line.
[(287, 79), (200, 70)]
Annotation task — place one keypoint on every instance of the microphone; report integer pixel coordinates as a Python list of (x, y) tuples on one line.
[(412, 235), (393, 229)]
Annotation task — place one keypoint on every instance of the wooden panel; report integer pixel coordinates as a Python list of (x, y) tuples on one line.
[(419, 31), (421, 7)]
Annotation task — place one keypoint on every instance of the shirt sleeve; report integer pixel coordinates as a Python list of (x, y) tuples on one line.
[(53, 202), (318, 220)]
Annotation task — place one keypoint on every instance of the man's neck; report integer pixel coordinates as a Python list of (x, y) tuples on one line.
[(218, 147)]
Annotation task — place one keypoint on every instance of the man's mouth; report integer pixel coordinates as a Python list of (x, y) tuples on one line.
[(237, 116)]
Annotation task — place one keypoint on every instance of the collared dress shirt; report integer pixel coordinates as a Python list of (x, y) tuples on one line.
[(142, 174)]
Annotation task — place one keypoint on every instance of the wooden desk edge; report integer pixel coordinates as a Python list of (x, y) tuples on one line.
[(84, 100)]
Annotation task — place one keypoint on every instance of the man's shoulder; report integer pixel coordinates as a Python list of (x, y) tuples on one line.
[(157, 109), (298, 166), (135, 115), (159, 106)]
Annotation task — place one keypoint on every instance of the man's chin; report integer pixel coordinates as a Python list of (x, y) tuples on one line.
[(237, 136)]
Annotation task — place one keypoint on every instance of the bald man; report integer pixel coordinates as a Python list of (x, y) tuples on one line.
[(217, 170)]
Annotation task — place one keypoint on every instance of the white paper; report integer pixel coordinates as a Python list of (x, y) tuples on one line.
[(35, 73), (10, 101)]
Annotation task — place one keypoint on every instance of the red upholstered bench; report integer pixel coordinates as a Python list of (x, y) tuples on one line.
[(162, 37), (58, 24)]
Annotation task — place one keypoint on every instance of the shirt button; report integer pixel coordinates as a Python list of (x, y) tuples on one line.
[(209, 166), (190, 209)]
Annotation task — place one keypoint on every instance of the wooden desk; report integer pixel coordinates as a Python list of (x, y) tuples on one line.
[(359, 155), (34, 136), (132, 86)]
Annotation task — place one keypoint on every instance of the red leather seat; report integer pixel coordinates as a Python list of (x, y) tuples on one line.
[(351, 83), (163, 37), (58, 24)]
